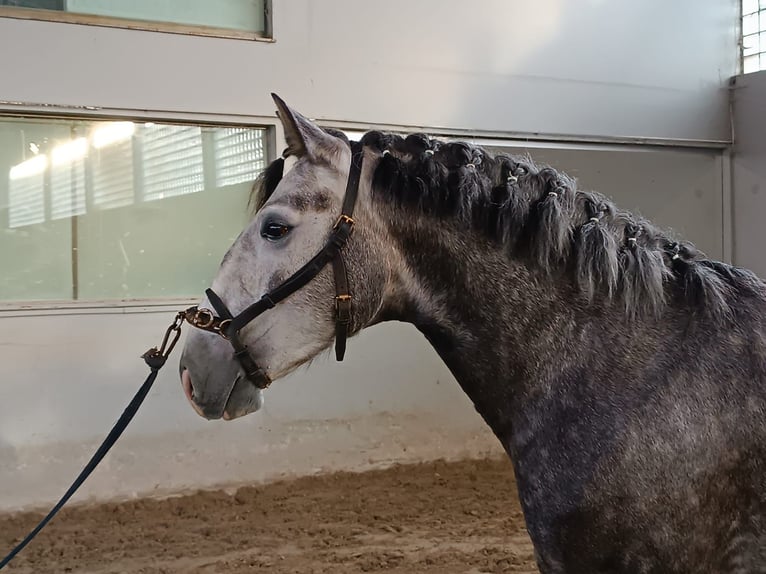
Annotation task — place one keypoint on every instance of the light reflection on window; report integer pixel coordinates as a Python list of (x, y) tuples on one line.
[(95, 210), (170, 162)]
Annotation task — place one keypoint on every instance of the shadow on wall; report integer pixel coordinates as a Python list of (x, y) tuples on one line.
[(8, 456)]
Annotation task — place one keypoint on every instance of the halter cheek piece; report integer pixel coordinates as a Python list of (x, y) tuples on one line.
[(229, 326)]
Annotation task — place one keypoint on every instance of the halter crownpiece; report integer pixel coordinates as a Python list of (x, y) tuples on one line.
[(229, 326)]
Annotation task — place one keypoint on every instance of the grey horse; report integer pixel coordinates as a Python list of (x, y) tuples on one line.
[(623, 372)]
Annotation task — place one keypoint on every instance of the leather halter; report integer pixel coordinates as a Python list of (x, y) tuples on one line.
[(229, 326)]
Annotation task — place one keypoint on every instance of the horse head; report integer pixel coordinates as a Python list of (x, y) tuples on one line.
[(298, 201)]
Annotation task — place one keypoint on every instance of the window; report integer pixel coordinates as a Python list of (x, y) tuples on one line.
[(230, 18), (94, 210), (753, 35)]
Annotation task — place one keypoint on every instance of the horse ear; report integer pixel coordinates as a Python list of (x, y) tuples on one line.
[(303, 136)]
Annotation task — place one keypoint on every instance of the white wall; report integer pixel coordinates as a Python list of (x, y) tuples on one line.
[(588, 67), (579, 68), (67, 378)]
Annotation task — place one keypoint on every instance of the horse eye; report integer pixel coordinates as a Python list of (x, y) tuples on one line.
[(274, 231)]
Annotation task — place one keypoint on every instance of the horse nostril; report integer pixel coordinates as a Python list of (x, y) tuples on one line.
[(186, 383)]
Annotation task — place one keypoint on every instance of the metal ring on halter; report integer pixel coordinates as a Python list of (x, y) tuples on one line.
[(222, 328), (207, 322), (429, 152)]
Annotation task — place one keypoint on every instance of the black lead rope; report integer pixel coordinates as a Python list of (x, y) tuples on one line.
[(156, 359)]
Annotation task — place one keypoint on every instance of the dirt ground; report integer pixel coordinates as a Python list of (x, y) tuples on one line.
[(460, 517)]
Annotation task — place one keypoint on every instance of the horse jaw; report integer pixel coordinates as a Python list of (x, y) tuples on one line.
[(245, 398)]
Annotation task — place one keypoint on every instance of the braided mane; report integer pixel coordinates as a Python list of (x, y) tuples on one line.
[(537, 213)]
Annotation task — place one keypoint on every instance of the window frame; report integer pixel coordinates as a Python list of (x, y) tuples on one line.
[(144, 25), (760, 13), (274, 140)]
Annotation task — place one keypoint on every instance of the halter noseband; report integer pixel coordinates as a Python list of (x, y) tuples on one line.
[(228, 326)]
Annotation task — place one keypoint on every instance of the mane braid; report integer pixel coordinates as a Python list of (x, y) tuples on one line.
[(538, 213)]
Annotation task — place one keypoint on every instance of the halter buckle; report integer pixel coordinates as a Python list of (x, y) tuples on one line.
[(345, 219), (343, 308)]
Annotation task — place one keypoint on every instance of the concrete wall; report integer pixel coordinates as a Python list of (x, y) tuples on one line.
[(749, 171), (586, 67), (549, 69)]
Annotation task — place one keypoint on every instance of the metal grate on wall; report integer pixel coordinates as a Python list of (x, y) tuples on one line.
[(239, 155), (753, 35), (26, 195), (113, 175), (172, 160)]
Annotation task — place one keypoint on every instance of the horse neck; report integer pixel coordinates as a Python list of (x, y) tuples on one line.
[(500, 327)]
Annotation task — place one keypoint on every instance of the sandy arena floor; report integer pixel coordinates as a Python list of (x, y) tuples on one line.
[(438, 517)]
